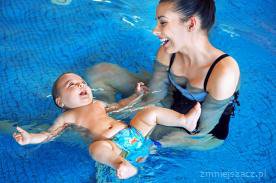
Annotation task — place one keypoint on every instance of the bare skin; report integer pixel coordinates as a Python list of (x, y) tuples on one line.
[(194, 54), (193, 61), (85, 112)]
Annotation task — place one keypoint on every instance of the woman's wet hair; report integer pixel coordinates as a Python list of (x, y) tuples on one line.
[(204, 9)]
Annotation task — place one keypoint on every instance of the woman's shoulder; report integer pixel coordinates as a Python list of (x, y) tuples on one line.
[(226, 65), (224, 79), (163, 57)]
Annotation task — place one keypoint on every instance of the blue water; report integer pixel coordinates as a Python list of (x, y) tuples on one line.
[(40, 40)]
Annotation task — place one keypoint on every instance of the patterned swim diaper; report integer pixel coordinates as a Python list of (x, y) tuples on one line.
[(135, 147)]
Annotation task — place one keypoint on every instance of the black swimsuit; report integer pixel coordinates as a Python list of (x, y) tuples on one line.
[(185, 100)]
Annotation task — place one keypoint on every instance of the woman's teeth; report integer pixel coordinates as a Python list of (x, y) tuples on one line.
[(164, 41)]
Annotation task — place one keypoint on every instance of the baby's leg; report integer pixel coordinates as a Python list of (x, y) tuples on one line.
[(146, 119), (108, 153)]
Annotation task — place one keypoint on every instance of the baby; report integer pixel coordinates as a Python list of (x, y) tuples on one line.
[(115, 143)]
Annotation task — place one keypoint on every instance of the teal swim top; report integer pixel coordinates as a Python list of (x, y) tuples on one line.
[(185, 100), (199, 96)]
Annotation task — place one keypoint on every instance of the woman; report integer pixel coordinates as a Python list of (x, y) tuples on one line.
[(188, 68)]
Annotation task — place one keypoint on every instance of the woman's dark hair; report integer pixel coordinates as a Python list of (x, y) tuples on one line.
[(205, 9)]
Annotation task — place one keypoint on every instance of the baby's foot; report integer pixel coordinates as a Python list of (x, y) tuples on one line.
[(126, 170), (192, 117)]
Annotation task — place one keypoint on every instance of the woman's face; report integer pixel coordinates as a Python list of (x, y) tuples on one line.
[(170, 29)]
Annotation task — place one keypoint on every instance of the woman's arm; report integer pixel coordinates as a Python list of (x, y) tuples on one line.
[(159, 83), (222, 84), (211, 112)]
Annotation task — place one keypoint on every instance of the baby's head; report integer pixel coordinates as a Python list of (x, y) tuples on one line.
[(70, 91)]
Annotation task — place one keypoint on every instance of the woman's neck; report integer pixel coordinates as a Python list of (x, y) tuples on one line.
[(200, 52)]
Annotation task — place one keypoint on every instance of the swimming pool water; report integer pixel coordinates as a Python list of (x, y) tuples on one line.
[(40, 40)]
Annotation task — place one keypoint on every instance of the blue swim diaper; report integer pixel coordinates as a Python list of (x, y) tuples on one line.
[(135, 147)]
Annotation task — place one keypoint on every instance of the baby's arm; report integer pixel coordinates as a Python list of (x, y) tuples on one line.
[(23, 137), (140, 90)]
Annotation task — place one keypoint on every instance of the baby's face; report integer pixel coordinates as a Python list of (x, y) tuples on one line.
[(73, 91)]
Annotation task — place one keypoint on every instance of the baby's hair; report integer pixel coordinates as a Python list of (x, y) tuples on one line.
[(55, 91)]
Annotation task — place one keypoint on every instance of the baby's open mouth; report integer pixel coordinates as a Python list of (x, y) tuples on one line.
[(83, 93)]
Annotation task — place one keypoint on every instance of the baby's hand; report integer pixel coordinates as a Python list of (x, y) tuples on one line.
[(22, 136), (141, 89)]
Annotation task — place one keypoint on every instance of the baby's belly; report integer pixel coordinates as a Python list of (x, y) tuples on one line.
[(115, 127), (111, 129)]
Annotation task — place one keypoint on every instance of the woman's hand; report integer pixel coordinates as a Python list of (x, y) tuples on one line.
[(22, 137)]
